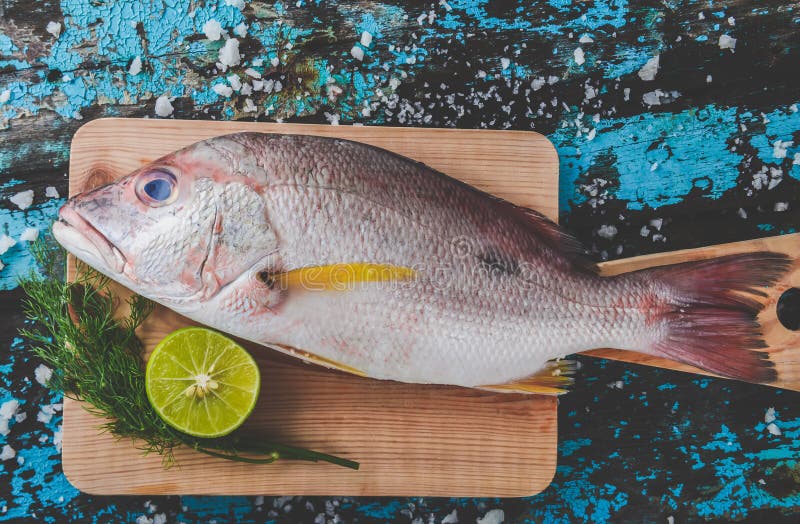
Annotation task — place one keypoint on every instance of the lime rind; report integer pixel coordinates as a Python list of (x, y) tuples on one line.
[(201, 382)]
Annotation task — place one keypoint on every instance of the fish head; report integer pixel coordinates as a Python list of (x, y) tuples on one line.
[(177, 230)]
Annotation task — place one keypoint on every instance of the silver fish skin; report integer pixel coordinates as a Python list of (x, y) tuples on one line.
[(497, 291)]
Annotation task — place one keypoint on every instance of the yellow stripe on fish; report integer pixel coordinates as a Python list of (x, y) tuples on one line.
[(339, 277)]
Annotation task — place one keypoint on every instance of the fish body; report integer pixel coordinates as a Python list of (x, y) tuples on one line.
[(382, 266)]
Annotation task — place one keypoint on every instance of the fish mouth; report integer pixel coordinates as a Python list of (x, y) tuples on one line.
[(83, 240)]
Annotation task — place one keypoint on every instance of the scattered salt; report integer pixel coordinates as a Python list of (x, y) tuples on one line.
[(54, 28), (578, 55), (357, 52), (769, 416), (229, 53), (708, 79), (781, 206), (7, 453), (727, 42), (258, 85), (452, 518), (30, 234), (136, 66), (222, 90), (505, 62), (591, 134), (43, 374), (160, 518), (252, 73), (644, 231), (51, 192), (163, 106), (493, 516), (657, 223), (46, 414), (57, 439), (235, 82), (247, 89), (773, 429), (366, 38), (274, 61), (249, 106), (779, 148), (23, 199), (9, 408), (626, 93), (742, 213), (212, 30), (585, 39), (238, 4), (607, 231), (240, 30), (649, 69), (5, 96), (796, 160), (731, 21), (5, 243)]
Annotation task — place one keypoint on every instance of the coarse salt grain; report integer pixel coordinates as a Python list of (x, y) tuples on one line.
[(649, 69), (7, 453), (164, 106), (366, 38), (240, 30), (357, 52), (727, 42), (252, 73), (773, 429), (5, 243), (23, 199), (30, 234), (54, 28), (579, 56), (222, 90), (229, 53), (135, 67), (51, 192), (42, 374), (212, 30), (235, 82), (769, 416), (5, 96), (493, 516)]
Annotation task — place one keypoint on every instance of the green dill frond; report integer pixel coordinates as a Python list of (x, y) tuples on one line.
[(96, 358)]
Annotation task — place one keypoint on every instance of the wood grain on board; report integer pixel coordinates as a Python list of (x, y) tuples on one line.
[(410, 440)]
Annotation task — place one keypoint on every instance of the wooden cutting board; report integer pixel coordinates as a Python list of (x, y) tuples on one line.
[(410, 440)]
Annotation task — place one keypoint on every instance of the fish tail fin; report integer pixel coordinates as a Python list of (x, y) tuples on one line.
[(711, 314)]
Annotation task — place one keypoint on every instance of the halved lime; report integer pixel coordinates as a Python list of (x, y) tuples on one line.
[(201, 382)]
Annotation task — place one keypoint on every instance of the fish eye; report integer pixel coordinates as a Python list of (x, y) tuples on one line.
[(157, 187)]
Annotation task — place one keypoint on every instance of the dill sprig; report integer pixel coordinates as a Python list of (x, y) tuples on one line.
[(97, 358)]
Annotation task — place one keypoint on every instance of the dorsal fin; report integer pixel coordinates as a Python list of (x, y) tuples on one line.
[(551, 234)]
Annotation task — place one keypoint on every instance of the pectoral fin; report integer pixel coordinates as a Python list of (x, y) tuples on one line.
[(336, 277), (553, 379)]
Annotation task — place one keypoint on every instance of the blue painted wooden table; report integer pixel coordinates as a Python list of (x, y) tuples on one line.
[(677, 125)]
